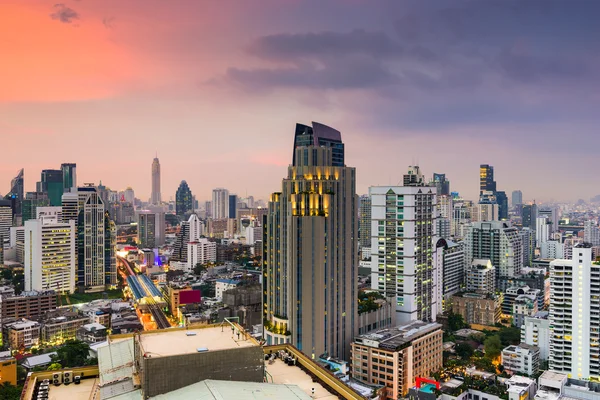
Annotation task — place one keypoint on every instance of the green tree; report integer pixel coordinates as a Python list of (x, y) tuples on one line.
[(73, 353), (464, 351), (493, 347), (456, 322), (510, 335), (10, 392), (199, 269), (54, 367)]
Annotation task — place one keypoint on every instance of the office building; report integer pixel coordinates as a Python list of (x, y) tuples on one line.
[(151, 227), (575, 314), (475, 308), (69, 176), (553, 217), (181, 240), (17, 242), (232, 204), (517, 198), (201, 251), (208, 209), (6, 221), (480, 277), (535, 331), (591, 233), (70, 207), (129, 195), (442, 184), (488, 207), (17, 192), (156, 196), (364, 221), (96, 240), (402, 229), (28, 305), (32, 201), (529, 216), (528, 244), (449, 258), (552, 249), (502, 201), (220, 203), (445, 213), (183, 200), (50, 261), (320, 135), (521, 359), (486, 179), (395, 357), (463, 213), (51, 183), (542, 231), (498, 242), (310, 253)]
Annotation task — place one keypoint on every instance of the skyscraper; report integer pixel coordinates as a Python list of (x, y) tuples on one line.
[(69, 175), (442, 184), (156, 198), (50, 261), (591, 233), (6, 218), (310, 257), (233, 201), (450, 268), (530, 214), (574, 310), (320, 135), (151, 227), (17, 192), (502, 201), (486, 179), (364, 218), (96, 264), (402, 230), (51, 183), (517, 198), (32, 201), (220, 203), (183, 200), (196, 228)]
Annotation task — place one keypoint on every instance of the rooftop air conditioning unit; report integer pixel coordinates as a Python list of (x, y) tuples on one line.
[(68, 377), (57, 378)]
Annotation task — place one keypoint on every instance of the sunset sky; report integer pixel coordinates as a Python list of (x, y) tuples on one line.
[(216, 87)]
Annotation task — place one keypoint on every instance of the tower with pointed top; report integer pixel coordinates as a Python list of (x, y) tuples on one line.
[(155, 199)]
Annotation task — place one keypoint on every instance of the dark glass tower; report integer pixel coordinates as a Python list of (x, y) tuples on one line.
[(502, 201), (486, 179), (320, 135), (69, 177), (17, 193), (51, 183), (442, 184), (233, 199), (183, 199)]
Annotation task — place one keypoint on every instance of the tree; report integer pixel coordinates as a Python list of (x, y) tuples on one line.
[(456, 322), (54, 367), (493, 347), (463, 350), (10, 392), (73, 353), (199, 269), (510, 335)]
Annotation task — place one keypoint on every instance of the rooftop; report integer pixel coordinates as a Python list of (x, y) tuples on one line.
[(282, 373), (23, 324), (35, 361), (392, 338), (72, 392), (175, 341)]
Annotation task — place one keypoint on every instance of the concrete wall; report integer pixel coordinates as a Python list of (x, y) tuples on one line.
[(165, 374)]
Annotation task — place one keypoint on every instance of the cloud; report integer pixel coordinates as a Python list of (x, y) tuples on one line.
[(108, 22), (64, 14)]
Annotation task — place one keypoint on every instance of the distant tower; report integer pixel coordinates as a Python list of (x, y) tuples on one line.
[(156, 182)]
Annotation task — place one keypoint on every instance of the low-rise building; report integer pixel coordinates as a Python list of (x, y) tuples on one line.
[(39, 361), (535, 331), (221, 285), (525, 305), (8, 368), (27, 305), (395, 357), (59, 327), (22, 334), (511, 294), (382, 318), (477, 308), (521, 388), (521, 359), (92, 333)]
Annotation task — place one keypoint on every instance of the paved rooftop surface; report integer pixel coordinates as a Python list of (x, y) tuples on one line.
[(285, 374), (72, 391), (176, 342)]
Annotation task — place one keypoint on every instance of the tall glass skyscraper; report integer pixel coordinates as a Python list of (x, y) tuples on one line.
[(183, 199), (320, 135), (51, 183), (69, 176), (17, 193), (310, 251), (486, 179)]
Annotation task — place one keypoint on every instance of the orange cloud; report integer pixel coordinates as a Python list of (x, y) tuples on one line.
[(47, 60)]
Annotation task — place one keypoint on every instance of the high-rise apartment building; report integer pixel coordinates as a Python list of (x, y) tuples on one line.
[(488, 207), (320, 135), (364, 224), (591, 233), (151, 227), (6, 219), (497, 241), (529, 214), (201, 251), (516, 198), (575, 315), (542, 231), (553, 217), (70, 207), (183, 200), (402, 231), (197, 229), (528, 245), (449, 258), (481, 277), (445, 210), (50, 261), (96, 240), (156, 197), (220, 203), (69, 176), (310, 251), (486, 179)]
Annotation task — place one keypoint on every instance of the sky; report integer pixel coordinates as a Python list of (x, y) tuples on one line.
[(215, 88)]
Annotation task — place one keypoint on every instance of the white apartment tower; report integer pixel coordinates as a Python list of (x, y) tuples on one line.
[(481, 277), (575, 315), (449, 258), (50, 261), (591, 233), (201, 251), (220, 203), (542, 231), (196, 228), (402, 240)]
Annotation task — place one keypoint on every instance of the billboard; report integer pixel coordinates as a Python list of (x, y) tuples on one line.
[(189, 297)]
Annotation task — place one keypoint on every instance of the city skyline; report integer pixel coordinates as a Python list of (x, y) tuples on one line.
[(135, 75)]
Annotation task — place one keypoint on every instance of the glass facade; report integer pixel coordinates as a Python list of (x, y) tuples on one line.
[(183, 200)]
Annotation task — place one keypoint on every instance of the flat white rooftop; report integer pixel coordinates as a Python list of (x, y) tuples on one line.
[(72, 391), (176, 342), (291, 375)]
